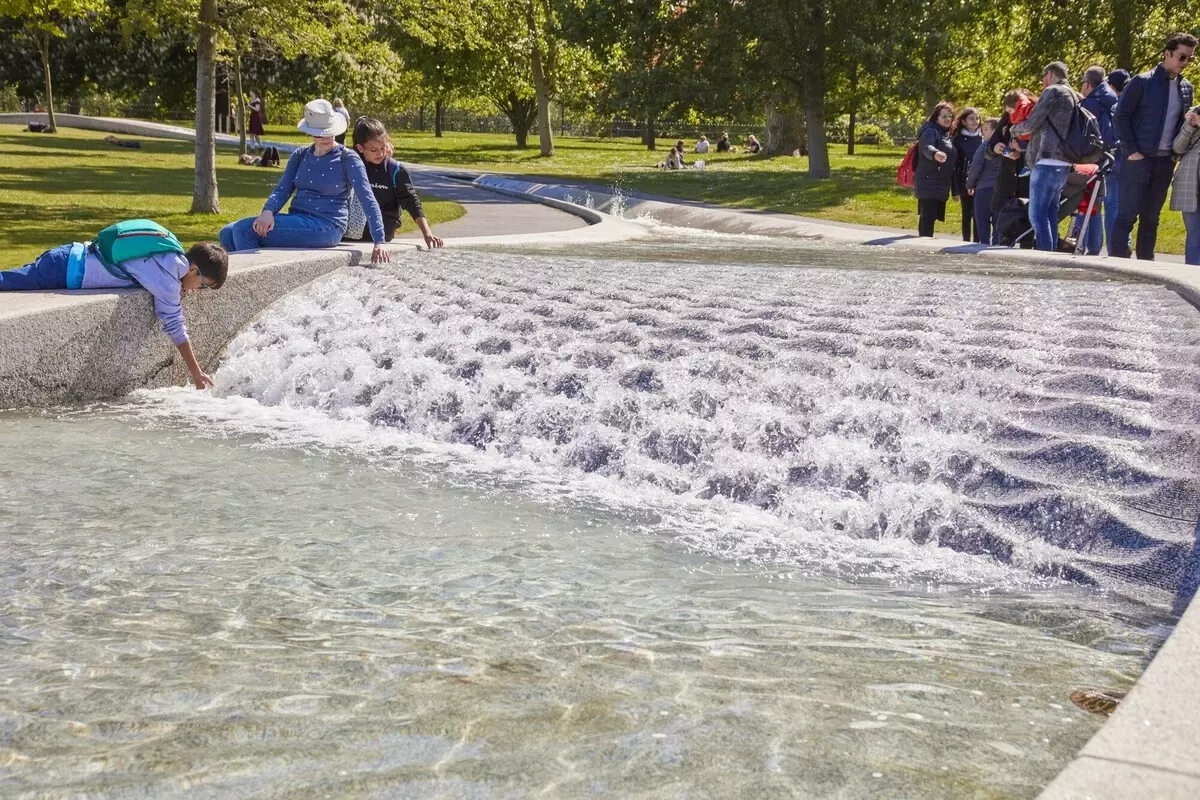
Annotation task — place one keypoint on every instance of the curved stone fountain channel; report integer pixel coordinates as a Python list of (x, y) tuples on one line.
[(617, 473)]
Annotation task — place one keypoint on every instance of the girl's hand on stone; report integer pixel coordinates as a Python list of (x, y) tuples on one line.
[(432, 241), (202, 381), (380, 255), (264, 223)]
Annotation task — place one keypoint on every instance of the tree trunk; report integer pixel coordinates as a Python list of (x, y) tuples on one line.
[(439, 118), (44, 46), (853, 109), (421, 119), (545, 132), (204, 191), (241, 102), (521, 112), (785, 127), (1123, 32), (814, 95), (651, 135), (929, 63)]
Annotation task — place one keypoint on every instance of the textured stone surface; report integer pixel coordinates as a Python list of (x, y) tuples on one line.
[(1093, 779)]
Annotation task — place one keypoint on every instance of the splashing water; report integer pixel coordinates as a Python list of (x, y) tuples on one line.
[(781, 414)]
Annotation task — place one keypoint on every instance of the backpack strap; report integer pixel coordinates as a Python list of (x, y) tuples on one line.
[(114, 269)]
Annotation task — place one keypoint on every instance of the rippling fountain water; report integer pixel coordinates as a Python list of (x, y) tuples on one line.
[(1038, 423), (479, 524)]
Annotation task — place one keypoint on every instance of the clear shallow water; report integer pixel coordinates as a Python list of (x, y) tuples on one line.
[(191, 616), (501, 525)]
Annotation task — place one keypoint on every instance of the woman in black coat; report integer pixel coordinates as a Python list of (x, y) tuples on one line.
[(967, 136), (934, 176)]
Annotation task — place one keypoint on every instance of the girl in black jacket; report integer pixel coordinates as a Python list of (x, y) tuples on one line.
[(967, 137), (393, 188), (934, 176)]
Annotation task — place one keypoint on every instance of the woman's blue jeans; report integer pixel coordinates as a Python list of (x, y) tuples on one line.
[(1045, 190), (1191, 247), (291, 230)]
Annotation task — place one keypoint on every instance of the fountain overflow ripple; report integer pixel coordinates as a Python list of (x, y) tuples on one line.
[(1046, 424)]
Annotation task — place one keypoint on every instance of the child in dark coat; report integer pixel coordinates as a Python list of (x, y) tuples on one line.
[(981, 183), (967, 137), (390, 183)]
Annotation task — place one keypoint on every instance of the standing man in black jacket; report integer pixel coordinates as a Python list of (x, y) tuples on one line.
[(1146, 121)]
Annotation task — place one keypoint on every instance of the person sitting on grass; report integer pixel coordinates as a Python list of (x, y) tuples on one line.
[(753, 146), (133, 253), (723, 144), (321, 176), (392, 186), (702, 145)]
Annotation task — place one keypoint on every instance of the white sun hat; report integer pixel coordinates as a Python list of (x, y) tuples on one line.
[(321, 120)]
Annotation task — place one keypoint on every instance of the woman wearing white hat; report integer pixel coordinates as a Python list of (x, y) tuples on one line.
[(321, 176)]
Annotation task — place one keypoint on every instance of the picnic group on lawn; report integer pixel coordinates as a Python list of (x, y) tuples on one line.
[(1117, 141), (337, 193)]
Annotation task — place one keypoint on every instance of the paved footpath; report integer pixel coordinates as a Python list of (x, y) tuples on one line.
[(488, 213)]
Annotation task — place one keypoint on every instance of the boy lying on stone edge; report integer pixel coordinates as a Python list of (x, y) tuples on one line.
[(160, 266)]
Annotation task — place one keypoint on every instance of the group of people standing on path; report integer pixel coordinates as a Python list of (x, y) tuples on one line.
[(337, 194), (1147, 124)]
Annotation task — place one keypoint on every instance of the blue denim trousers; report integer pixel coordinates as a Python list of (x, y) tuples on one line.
[(291, 230), (1046, 183), (47, 271), (1112, 207), (1191, 247)]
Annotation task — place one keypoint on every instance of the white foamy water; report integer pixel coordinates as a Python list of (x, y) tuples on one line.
[(868, 422)]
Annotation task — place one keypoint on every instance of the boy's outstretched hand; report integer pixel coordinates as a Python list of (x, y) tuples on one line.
[(202, 380)]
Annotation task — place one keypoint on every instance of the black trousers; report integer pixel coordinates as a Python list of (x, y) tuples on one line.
[(968, 218), (1144, 187), (929, 212)]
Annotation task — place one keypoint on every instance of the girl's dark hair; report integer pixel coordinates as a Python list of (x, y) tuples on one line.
[(961, 120), (366, 129), (937, 111)]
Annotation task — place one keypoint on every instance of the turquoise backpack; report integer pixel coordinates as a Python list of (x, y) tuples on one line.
[(133, 238)]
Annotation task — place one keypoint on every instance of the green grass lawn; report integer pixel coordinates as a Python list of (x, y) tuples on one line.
[(66, 187), (118, 183)]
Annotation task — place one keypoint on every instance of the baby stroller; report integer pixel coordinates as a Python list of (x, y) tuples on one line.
[(1085, 187)]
